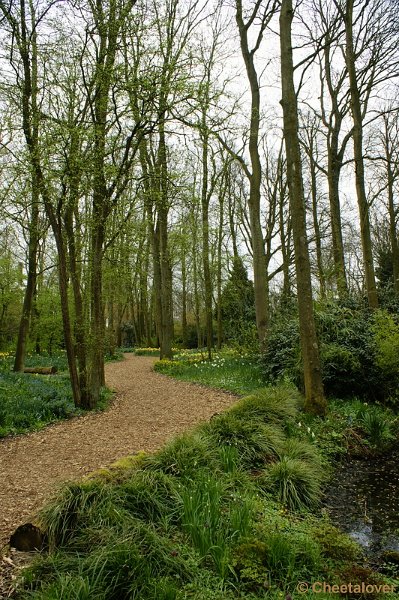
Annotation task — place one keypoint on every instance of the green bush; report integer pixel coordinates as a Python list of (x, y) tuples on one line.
[(359, 351), (386, 336)]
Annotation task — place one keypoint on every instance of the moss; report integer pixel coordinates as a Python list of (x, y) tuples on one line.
[(334, 544), (120, 470)]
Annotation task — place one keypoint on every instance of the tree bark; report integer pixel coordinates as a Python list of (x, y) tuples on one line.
[(261, 286), (357, 135), (315, 402)]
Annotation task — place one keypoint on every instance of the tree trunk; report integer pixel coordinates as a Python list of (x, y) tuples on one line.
[(20, 351), (261, 286), (315, 402), (365, 233), (205, 239)]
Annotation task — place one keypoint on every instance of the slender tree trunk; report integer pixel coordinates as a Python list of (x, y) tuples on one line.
[(261, 286), (333, 176), (365, 232), (20, 351), (205, 239), (314, 396), (166, 269), (392, 210), (219, 269), (184, 296), (316, 225)]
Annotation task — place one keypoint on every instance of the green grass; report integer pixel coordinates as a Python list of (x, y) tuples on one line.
[(227, 370), (199, 519)]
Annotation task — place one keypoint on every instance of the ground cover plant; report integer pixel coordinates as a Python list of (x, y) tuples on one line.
[(29, 402), (230, 510), (229, 370), (146, 351)]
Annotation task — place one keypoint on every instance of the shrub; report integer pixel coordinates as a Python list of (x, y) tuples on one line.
[(359, 350), (334, 544)]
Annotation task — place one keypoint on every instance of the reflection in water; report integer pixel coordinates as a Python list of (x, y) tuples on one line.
[(363, 500)]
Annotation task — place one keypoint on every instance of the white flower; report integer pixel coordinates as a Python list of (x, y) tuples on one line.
[(299, 424)]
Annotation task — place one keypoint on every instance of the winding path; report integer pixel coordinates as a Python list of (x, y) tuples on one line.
[(148, 410)]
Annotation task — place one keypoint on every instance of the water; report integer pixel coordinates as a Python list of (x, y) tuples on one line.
[(363, 500)]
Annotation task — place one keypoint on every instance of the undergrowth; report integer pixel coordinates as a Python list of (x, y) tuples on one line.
[(228, 370), (222, 512), (29, 402)]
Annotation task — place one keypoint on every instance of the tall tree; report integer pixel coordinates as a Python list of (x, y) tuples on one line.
[(315, 402), (262, 13)]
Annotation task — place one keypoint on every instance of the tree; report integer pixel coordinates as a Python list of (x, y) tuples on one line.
[(237, 305), (315, 402), (263, 14)]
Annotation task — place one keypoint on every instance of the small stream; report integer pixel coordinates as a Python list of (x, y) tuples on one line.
[(363, 501)]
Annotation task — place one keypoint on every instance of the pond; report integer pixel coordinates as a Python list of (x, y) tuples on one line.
[(363, 501)]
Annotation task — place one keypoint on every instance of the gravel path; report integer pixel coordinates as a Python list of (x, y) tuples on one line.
[(149, 409)]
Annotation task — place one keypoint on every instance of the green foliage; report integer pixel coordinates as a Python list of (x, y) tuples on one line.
[(184, 456), (203, 518), (203, 521), (29, 402), (301, 450), (359, 350), (296, 483), (386, 336), (255, 442), (146, 351), (237, 305), (228, 370), (278, 405), (278, 560), (334, 544), (377, 427)]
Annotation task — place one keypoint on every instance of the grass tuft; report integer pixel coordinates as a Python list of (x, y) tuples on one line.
[(297, 483), (254, 442)]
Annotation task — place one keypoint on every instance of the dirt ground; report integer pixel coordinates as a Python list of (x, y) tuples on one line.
[(148, 410)]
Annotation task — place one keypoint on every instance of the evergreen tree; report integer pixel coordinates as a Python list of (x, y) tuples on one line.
[(238, 305)]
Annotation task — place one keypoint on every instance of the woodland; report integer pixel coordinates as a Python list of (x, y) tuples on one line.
[(167, 165), (214, 183)]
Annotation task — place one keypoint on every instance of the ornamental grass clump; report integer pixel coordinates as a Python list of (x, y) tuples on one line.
[(301, 450), (274, 405), (378, 429), (254, 442), (184, 456), (296, 483)]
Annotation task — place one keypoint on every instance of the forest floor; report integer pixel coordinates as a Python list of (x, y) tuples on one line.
[(148, 410)]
